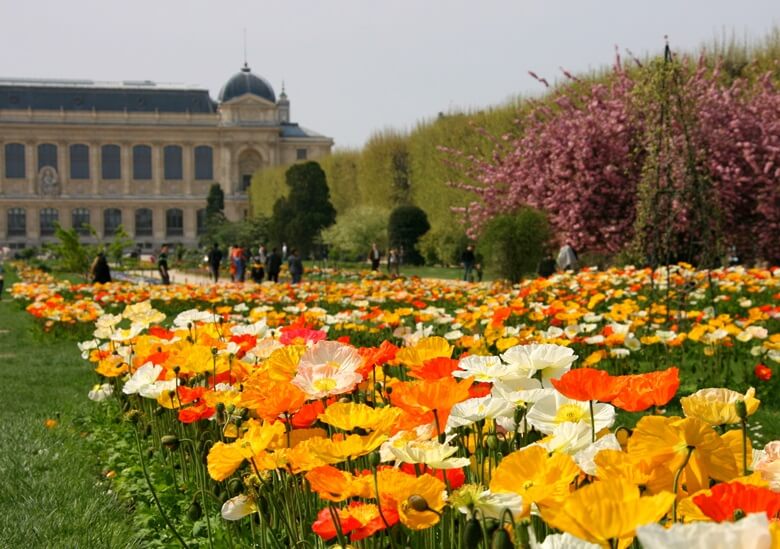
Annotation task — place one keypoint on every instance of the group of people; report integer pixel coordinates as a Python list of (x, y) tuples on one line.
[(261, 266), (394, 257)]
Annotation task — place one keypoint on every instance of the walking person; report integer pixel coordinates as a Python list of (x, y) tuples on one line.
[(393, 259), (274, 264), (468, 259), (374, 257), (295, 265), (162, 265), (99, 272), (567, 258), (215, 260)]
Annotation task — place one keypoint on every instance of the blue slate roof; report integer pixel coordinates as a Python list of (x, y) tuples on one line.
[(86, 95), (245, 82)]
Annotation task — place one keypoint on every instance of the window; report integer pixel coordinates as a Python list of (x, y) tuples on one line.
[(110, 162), (17, 222), (112, 219), (14, 160), (47, 155), (204, 162), (301, 154), (172, 159), (48, 219), (79, 220), (174, 222), (246, 182), (143, 222), (201, 217), (142, 162), (79, 162)]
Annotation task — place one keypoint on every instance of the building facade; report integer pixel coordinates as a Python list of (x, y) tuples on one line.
[(137, 154)]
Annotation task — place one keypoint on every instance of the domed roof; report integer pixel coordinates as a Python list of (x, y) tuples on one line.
[(245, 82)]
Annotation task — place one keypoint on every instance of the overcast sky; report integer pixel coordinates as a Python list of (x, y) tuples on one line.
[(353, 67)]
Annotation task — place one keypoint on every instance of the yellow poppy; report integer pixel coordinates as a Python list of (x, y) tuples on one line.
[(348, 416), (667, 441), (282, 364), (425, 349), (718, 406), (535, 476), (615, 464), (419, 500), (607, 510)]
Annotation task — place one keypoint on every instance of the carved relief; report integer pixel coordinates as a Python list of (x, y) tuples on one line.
[(49, 182)]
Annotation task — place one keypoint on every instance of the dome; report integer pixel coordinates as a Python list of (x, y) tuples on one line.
[(245, 82)]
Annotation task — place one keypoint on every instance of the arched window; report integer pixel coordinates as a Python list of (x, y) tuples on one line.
[(142, 162), (14, 160), (112, 219), (79, 162), (174, 222), (172, 161), (47, 155), (110, 162), (79, 220), (143, 222), (201, 221), (17, 222), (48, 221), (204, 162)]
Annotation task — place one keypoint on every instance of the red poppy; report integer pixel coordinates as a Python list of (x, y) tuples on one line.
[(641, 391), (455, 477), (160, 332), (196, 413), (588, 384), (358, 520), (376, 356), (763, 372), (729, 500)]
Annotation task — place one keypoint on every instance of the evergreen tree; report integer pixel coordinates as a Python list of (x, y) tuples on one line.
[(407, 224), (299, 217)]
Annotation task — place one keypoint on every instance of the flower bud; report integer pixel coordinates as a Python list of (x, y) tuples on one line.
[(194, 512), (741, 409), (501, 540), (418, 503), (170, 441)]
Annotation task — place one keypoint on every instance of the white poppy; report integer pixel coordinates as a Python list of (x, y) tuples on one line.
[(492, 505), (552, 360), (568, 438), (560, 541), (476, 409), (752, 531), (143, 376), (485, 369), (549, 411), (238, 507), (100, 392), (430, 453), (585, 457)]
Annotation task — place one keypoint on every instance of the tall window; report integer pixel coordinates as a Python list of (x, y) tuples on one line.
[(143, 222), (142, 162), (17, 222), (246, 182), (14, 160), (204, 161), (172, 159), (110, 162), (79, 220), (48, 221), (112, 219), (301, 154), (79, 162), (47, 155), (174, 222), (201, 221)]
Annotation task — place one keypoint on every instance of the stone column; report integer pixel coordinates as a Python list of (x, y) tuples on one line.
[(127, 165), (94, 169), (63, 164), (157, 168), (31, 165), (188, 172)]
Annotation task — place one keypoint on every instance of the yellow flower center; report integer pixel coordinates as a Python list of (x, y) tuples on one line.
[(325, 384), (528, 484), (570, 412)]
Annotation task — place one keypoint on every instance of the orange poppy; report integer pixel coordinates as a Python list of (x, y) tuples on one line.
[(358, 521), (588, 384), (435, 368), (728, 501), (425, 396), (376, 356), (269, 398), (641, 391)]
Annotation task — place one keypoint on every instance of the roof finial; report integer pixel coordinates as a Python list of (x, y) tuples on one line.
[(246, 65)]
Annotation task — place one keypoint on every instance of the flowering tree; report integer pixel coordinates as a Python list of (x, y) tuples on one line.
[(580, 155)]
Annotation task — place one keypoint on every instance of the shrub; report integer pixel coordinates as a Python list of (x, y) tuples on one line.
[(354, 232), (405, 227), (514, 244)]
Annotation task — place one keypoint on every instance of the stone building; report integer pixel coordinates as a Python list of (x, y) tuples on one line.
[(138, 154)]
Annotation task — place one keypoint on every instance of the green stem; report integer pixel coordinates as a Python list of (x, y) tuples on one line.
[(744, 447), (592, 422), (154, 494), (677, 480)]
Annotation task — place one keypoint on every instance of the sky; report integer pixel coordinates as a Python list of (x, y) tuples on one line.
[(355, 67)]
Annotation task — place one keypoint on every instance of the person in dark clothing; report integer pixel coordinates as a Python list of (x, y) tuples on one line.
[(468, 259), (214, 260), (374, 256), (257, 270), (273, 264), (2, 279), (162, 265), (99, 272), (295, 265)]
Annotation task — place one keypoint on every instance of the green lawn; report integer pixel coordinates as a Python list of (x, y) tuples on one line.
[(51, 492)]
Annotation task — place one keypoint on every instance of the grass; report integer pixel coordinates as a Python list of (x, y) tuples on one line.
[(51, 492)]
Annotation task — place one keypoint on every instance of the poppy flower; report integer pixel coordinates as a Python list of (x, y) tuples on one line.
[(762, 372), (718, 406), (606, 511), (728, 501), (358, 521), (588, 384), (435, 368), (639, 392), (424, 397)]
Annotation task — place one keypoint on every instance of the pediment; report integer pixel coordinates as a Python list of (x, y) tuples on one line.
[(249, 100)]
